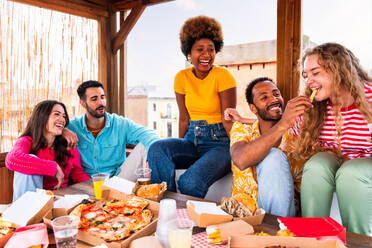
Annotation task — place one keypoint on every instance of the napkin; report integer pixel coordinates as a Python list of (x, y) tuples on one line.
[(120, 184), (207, 207), (69, 201), (29, 236)]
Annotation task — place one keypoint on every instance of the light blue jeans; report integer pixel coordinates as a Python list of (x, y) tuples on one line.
[(204, 152), (275, 184), (23, 183)]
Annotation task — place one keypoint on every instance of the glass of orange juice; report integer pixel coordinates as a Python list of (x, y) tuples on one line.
[(98, 179)]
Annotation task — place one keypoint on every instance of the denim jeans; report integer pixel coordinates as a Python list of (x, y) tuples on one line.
[(23, 183), (275, 184), (204, 152)]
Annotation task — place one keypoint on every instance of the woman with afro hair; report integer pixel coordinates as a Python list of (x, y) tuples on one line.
[(203, 92)]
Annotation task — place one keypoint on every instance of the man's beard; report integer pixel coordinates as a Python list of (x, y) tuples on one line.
[(94, 113), (264, 115)]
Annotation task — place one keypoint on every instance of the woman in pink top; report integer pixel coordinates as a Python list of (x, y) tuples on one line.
[(40, 157)]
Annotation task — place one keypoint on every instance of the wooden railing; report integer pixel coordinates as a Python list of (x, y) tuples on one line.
[(6, 181)]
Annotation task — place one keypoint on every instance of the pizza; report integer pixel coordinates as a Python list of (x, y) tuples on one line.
[(114, 220)]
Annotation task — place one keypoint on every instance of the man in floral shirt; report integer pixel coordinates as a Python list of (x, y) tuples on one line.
[(261, 153)]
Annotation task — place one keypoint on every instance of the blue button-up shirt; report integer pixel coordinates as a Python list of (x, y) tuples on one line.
[(107, 152)]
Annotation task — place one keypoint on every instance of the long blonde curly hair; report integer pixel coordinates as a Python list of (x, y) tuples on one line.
[(346, 73)]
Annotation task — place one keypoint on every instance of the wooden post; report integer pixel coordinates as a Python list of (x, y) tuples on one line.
[(107, 73), (123, 71), (288, 47)]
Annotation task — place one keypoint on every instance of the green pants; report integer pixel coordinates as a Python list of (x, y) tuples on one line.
[(324, 174)]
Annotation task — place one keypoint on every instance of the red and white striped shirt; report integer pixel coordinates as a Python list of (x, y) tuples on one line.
[(355, 135)]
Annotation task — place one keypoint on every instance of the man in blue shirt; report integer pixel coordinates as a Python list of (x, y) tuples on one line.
[(102, 137)]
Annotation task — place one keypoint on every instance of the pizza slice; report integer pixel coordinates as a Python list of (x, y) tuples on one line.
[(90, 214)]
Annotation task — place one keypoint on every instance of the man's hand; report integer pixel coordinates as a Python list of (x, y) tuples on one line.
[(295, 107), (231, 114), (60, 177), (71, 138)]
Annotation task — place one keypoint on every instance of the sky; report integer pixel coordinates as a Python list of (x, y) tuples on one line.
[(154, 55)]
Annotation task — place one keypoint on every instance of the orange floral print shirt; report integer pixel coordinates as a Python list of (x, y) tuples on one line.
[(245, 181)]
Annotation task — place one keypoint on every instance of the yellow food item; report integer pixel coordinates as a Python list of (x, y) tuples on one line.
[(262, 234), (313, 94), (285, 233), (149, 191), (6, 227), (213, 235), (248, 201)]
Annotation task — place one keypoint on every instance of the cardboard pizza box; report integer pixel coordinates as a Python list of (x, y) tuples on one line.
[(253, 241), (315, 227), (37, 206), (111, 194), (254, 219), (63, 205), (238, 227), (207, 213)]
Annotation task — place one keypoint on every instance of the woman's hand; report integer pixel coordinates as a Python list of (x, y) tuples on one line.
[(71, 138), (60, 176), (231, 114)]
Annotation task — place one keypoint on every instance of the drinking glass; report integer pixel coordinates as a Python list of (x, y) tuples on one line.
[(167, 212), (65, 230), (143, 176), (179, 233), (98, 179)]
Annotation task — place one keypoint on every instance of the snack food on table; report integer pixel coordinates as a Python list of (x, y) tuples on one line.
[(116, 220), (151, 190), (6, 227), (285, 233), (313, 94), (213, 235), (239, 205), (282, 233)]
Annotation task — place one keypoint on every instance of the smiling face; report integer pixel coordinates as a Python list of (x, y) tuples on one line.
[(316, 77), (202, 57), (94, 102), (268, 103), (56, 121)]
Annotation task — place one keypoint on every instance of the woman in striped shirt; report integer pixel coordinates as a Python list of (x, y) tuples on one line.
[(334, 137)]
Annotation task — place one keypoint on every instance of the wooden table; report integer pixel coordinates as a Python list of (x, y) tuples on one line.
[(269, 225)]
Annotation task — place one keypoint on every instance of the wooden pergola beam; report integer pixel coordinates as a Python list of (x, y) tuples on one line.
[(288, 47), (89, 9), (126, 27), (130, 4)]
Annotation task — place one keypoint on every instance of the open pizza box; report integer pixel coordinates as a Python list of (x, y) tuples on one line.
[(37, 206), (207, 213), (65, 204), (111, 194), (253, 241)]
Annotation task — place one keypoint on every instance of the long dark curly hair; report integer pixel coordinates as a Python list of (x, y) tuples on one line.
[(200, 27), (36, 126)]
